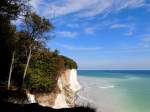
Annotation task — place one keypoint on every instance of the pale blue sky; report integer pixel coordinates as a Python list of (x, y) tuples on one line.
[(100, 34)]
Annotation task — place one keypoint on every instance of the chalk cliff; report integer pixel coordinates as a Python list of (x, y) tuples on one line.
[(64, 94)]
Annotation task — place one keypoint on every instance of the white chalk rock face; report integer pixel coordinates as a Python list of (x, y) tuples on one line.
[(68, 85), (31, 98), (60, 102), (74, 84)]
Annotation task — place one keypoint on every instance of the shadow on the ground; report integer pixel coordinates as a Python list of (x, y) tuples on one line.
[(10, 107)]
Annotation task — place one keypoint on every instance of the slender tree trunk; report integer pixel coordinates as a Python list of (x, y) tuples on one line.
[(11, 68), (27, 65)]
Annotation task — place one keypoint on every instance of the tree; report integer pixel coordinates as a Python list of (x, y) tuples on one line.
[(9, 10), (56, 52), (45, 69), (15, 41), (35, 27)]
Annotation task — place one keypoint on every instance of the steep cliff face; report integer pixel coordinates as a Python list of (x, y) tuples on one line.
[(68, 86), (64, 94)]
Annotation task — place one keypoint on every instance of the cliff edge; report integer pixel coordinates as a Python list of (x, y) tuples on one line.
[(64, 94)]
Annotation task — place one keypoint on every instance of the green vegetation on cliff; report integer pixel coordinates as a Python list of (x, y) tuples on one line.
[(44, 69), (25, 62)]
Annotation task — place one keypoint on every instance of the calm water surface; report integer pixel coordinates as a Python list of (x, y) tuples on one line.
[(131, 87)]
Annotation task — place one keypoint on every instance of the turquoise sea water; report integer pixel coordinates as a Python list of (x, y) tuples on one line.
[(131, 88)]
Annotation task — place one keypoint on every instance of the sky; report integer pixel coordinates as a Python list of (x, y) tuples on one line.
[(100, 34)]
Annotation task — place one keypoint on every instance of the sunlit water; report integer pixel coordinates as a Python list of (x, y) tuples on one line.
[(116, 91)]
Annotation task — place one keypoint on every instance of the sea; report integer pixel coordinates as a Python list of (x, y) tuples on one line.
[(115, 90)]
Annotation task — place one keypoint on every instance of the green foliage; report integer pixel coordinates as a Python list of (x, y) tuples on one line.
[(37, 81), (44, 70), (69, 63), (9, 10), (36, 26), (45, 66), (13, 95), (56, 52)]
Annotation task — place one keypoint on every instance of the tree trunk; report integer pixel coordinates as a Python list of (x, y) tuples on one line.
[(11, 68), (27, 65)]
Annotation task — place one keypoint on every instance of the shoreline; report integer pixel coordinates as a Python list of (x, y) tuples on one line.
[(99, 93), (115, 94)]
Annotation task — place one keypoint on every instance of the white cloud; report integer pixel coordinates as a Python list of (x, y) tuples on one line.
[(130, 28), (113, 64), (84, 8), (146, 45), (115, 26), (74, 48), (146, 38), (145, 41), (35, 4), (73, 25), (67, 34), (122, 4), (89, 30), (130, 33)]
